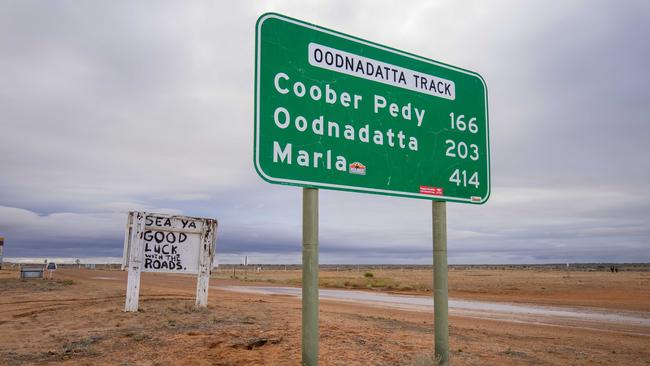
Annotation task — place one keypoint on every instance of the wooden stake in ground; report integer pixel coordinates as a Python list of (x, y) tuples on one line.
[(136, 254), (206, 256)]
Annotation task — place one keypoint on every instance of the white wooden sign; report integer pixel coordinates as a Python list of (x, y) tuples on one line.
[(169, 244)]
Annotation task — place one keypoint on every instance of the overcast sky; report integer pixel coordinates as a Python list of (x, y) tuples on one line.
[(112, 106)]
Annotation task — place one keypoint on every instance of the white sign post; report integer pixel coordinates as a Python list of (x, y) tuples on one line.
[(51, 267), (2, 243), (169, 244)]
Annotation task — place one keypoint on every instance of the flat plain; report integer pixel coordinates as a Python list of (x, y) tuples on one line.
[(77, 318)]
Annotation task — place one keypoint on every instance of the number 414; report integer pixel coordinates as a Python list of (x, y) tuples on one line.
[(460, 177)]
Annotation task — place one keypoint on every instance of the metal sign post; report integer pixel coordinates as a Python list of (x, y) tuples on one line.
[(440, 303), (310, 276)]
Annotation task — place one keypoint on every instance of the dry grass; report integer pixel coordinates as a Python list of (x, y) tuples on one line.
[(624, 290), (382, 280), (425, 359), (84, 323)]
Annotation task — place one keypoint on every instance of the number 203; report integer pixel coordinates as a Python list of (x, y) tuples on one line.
[(461, 150)]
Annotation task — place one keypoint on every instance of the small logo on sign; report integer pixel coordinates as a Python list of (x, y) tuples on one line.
[(357, 168), (434, 191), (475, 198)]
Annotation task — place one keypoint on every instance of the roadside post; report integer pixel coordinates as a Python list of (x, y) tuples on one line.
[(310, 276), (440, 292), (168, 244), (333, 111), (135, 253), (51, 268), (2, 247)]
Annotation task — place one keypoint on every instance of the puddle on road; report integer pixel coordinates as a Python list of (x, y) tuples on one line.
[(481, 309)]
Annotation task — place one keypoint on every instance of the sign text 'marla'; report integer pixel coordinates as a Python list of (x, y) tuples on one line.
[(334, 111)]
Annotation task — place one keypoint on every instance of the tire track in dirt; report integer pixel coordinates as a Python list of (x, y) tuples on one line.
[(91, 298), (83, 303)]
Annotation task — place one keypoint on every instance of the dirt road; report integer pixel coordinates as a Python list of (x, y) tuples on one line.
[(77, 320), (626, 322)]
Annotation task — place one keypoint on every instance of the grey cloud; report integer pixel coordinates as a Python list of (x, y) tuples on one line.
[(107, 107)]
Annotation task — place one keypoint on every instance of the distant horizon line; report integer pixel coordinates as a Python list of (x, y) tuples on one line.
[(118, 260)]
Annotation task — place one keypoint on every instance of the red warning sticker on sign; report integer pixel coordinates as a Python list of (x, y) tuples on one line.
[(357, 168), (435, 191)]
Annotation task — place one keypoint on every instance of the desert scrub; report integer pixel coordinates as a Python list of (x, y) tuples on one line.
[(138, 336), (82, 345), (425, 359), (383, 283)]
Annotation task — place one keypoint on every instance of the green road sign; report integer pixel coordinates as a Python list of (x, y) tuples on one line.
[(337, 112)]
